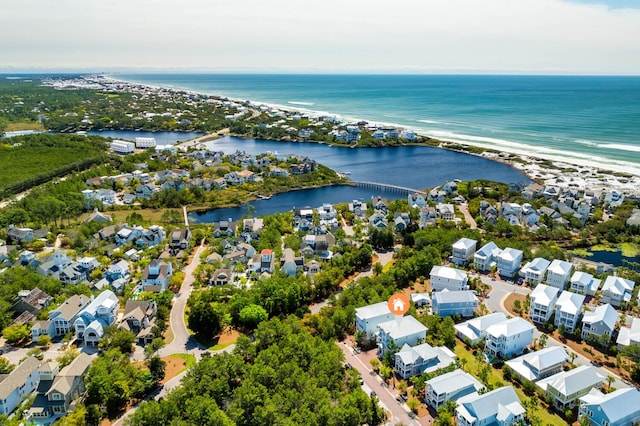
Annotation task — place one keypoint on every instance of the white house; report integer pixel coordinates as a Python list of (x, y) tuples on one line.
[(629, 335), (616, 290), (539, 364), (100, 313), (543, 300), (618, 408), (508, 338), (122, 147), (533, 272), (450, 278), (486, 256), (568, 310), (499, 407), (414, 360), (405, 330), (559, 273), (145, 143), (475, 330), (450, 387), (509, 262), (584, 283), (463, 251), (566, 387), (369, 317), (601, 321), (449, 303), (19, 383), (156, 276), (61, 319)]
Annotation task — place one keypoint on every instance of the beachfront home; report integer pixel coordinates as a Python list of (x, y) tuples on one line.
[(508, 338), (629, 335), (559, 273), (509, 261), (543, 300), (618, 408), (487, 256), (405, 330), (601, 321), (540, 364), (568, 310), (447, 303), (475, 330), (616, 290), (415, 360), (369, 317), (500, 407), (19, 383), (463, 251), (566, 387), (450, 278), (450, 387), (533, 272), (584, 283)]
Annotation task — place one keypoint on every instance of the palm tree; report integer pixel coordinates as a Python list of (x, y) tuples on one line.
[(610, 380), (463, 362)]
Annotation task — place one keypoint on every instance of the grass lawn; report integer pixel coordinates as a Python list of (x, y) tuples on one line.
[(149, 215), (630, 249), (472, 366), (189, 359), (24, 125)]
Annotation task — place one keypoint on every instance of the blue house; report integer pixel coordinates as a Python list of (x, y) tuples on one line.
[(618, 408), (449, 303)]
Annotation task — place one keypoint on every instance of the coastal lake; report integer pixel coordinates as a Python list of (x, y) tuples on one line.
[(162, 138), (416, 167)]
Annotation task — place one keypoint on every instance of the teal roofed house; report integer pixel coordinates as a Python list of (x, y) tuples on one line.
[(618, 408)]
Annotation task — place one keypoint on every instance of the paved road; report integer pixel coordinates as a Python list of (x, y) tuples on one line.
[(182, 341), (372, 382), (501, 290), (464, 209)]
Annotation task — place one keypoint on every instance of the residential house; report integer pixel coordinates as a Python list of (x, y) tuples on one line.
[(599, 322), (263, 262), (97, 216), (401, 221), (180, 239), (450, 387), (568, 386), (568, 310), (616, 290), (540, 364), (378, 220), (420, 299), (156, 275), (629, 335), (100, 313), (290, 263), (224, 228), (32, 301), (19, 383), (406, 330), (369, 317), (62, 318), (500, 407), (450, 303), (475, 330), (509, 262), (221, 277), (417, 200), (380, 204), (559, 273), (533, 272), (445, 211), (543, 301), (122, 147), (584, 283), (358, 208), (415, 360), (618, 408), (428, 216), (139, 318), (486, 257), (511, 212), (118, 270), (450, 278), (508, 338), (19, 235), (312, 267), (463, 251)]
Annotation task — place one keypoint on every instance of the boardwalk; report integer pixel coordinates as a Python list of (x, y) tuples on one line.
[(388, 188)]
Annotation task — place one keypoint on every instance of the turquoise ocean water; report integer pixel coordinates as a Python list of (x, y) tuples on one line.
[(579, 119)]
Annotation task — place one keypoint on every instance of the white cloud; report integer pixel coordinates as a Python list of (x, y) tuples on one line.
[(332, 35)]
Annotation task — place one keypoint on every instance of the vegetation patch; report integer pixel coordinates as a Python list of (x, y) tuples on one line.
[(630, 249), (604, 247)]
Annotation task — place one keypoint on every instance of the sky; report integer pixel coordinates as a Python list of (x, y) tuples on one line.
[(328, 36)]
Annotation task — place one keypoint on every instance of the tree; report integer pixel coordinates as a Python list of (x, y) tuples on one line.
[(205, 319), (252, 315), (463, 363), (156, 367), (610, 380), (5, 366), (543, 340), (16, 333), (413, 404), (69, 355), (115, 337), (44, 340), (375, 364)]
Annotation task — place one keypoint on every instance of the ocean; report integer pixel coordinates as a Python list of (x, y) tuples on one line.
[(578, 119)]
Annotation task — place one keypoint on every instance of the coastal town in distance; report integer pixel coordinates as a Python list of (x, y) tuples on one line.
[(125, 302)]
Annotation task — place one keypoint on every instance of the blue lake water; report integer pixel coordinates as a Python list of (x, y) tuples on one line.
[(416, 167)]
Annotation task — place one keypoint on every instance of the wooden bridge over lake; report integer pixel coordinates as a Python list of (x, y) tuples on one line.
[(389, 188)]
